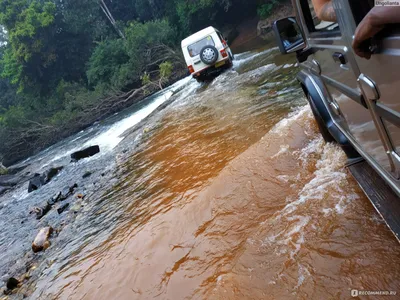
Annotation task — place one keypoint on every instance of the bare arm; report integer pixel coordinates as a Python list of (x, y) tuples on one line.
[(373, 23), (324, 10)]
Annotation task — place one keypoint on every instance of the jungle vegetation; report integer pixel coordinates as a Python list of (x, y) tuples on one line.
[(66, 63)]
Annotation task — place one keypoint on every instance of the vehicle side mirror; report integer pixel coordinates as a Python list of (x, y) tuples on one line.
[(288, 35)]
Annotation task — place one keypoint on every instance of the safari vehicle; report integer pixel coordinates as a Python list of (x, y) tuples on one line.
[(355, 101), (206, 52)]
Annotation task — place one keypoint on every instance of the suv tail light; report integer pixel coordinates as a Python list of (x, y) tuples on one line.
[(191, 69), (223, 53)]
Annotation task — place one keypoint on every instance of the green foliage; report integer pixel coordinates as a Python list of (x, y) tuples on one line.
[(145, 78), (3, 171), (143, 36), (166, 70), (118, 63), (142, 40), (109, 64), (265, 10), (60, 58), (30, 52)]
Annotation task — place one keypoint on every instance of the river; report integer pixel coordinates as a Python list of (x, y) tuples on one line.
[(223, 190)]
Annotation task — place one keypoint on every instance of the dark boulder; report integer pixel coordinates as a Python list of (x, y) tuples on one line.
[(42, 210), (88, 152), (39, 180), (12, 283), (35, 183), (87, 174), (64, 194), (51, 173), (62, 208)]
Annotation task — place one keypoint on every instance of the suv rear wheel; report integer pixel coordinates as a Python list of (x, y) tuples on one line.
[(209, 55)]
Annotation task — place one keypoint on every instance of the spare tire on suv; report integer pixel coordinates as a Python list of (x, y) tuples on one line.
[(209, 55)]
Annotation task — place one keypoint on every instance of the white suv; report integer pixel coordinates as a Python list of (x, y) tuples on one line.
[(206, 52)]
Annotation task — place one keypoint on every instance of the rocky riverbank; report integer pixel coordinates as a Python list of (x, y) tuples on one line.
[(253, 32), (104, 108), (264, 26), (52, 195), (36, 221)]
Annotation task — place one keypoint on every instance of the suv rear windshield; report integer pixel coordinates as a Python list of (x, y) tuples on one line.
[(194, 49)]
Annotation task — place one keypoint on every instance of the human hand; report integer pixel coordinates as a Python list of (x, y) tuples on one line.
[(365, 30)]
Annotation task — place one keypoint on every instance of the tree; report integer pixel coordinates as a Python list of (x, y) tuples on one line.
[(76, 61), (165, 72), (30, 53), (118, 63), (109, 65), (110, 17)]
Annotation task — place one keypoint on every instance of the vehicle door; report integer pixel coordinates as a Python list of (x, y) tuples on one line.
[(334, 63), (379, 80)]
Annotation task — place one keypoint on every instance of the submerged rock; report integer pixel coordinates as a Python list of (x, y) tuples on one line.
[(51, 173), (38, 180), (41, 241), (64, 194), (42, 210), (88, 152), (35, 183), (3, 169), (12, 283), (87, 174), (62, 208)]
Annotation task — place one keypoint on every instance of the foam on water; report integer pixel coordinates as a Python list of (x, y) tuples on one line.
[(111, 137), (248, 57), (303, 274), (283, 126), (328, 175), (327, 178), (283, 149)]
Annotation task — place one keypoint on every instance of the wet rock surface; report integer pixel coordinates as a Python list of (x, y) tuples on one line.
[(41, 211), (3, 189), (12, 283), (67, 202), (141, 203), (41, 241), (39, 180), (14, 178), (62, 208), (23, 214)]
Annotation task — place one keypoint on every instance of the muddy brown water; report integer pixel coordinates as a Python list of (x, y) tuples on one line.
[(233, 195)]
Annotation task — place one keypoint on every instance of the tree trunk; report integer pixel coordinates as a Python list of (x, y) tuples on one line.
[(109, 16)]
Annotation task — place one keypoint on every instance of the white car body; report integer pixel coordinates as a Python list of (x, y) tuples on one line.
[(193, 46)]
